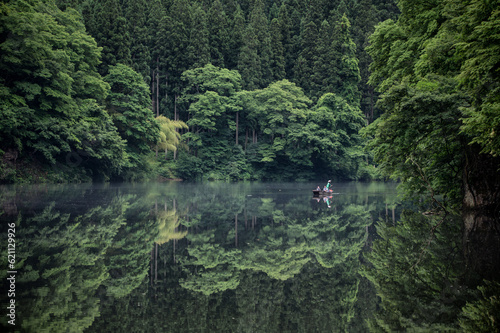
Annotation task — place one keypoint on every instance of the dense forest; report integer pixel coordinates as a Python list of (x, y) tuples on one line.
[(252, 89), (224, 89), (257, 90), (100, 90)]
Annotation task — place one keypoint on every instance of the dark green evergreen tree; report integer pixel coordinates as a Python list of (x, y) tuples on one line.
[(260, 25), (140, 54), (106, 22), (303, 69), (219, 35), (290, 17), (363, 25), (236, 31), (175, 53), (158, 48), (249, 62), (277, 56), (198, 52), (322, 81), (346, 65)]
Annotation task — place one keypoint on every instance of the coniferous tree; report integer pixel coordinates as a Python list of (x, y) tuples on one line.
[(277, 56), (249, 64), (285, 31), (107, 24), (347, 68), (236, 38), (363, 25), (289, 19), (321, 80), (198, 51), (258, 21), (316, 11), (175, 54), (158, 49), (218, 27), (343, 9), (64, 4), (303, 70), (140, 53)]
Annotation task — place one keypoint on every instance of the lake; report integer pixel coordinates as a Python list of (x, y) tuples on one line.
[(190, 257)]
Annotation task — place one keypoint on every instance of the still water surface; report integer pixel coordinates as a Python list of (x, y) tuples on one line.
[(181, 257)]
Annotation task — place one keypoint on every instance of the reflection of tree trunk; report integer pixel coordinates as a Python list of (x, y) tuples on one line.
[(175, 261), (151, 260), (236, 230), (480, 214), (156, 262)]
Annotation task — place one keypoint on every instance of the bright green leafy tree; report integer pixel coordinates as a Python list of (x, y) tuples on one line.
[(335, 127), (129, 105), (50, 93), (169, 138)]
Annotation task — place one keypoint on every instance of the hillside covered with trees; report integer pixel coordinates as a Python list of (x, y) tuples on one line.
[(253, 89), (220, 89)]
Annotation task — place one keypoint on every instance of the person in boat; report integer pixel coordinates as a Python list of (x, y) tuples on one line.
[(327, 187), (318, 188)]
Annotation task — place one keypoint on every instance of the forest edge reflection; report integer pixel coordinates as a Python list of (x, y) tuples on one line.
[(225, 249)]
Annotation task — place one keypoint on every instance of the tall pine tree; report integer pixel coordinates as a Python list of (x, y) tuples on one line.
[(218, 27), (347, 68), (277, 56), (106, 23)]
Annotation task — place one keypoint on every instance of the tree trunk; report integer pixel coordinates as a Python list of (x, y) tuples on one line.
[(237, 113), (157, 92), (246, 138), (153, 92), (480, 213), (176, 117)]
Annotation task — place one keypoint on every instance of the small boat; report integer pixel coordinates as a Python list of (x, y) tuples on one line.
[(318, 193)]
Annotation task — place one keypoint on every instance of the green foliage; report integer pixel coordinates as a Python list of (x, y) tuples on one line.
[(430, 69), (334, 127), (106, 22), (219, 34), (478, 50), (169, 138), (418, 141), (482, 315), (49, 88), (63, 267), (52, 71), (418, 281), (129, 106)]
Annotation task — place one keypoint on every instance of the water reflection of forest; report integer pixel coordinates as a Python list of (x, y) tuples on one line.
[(229, 259)]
